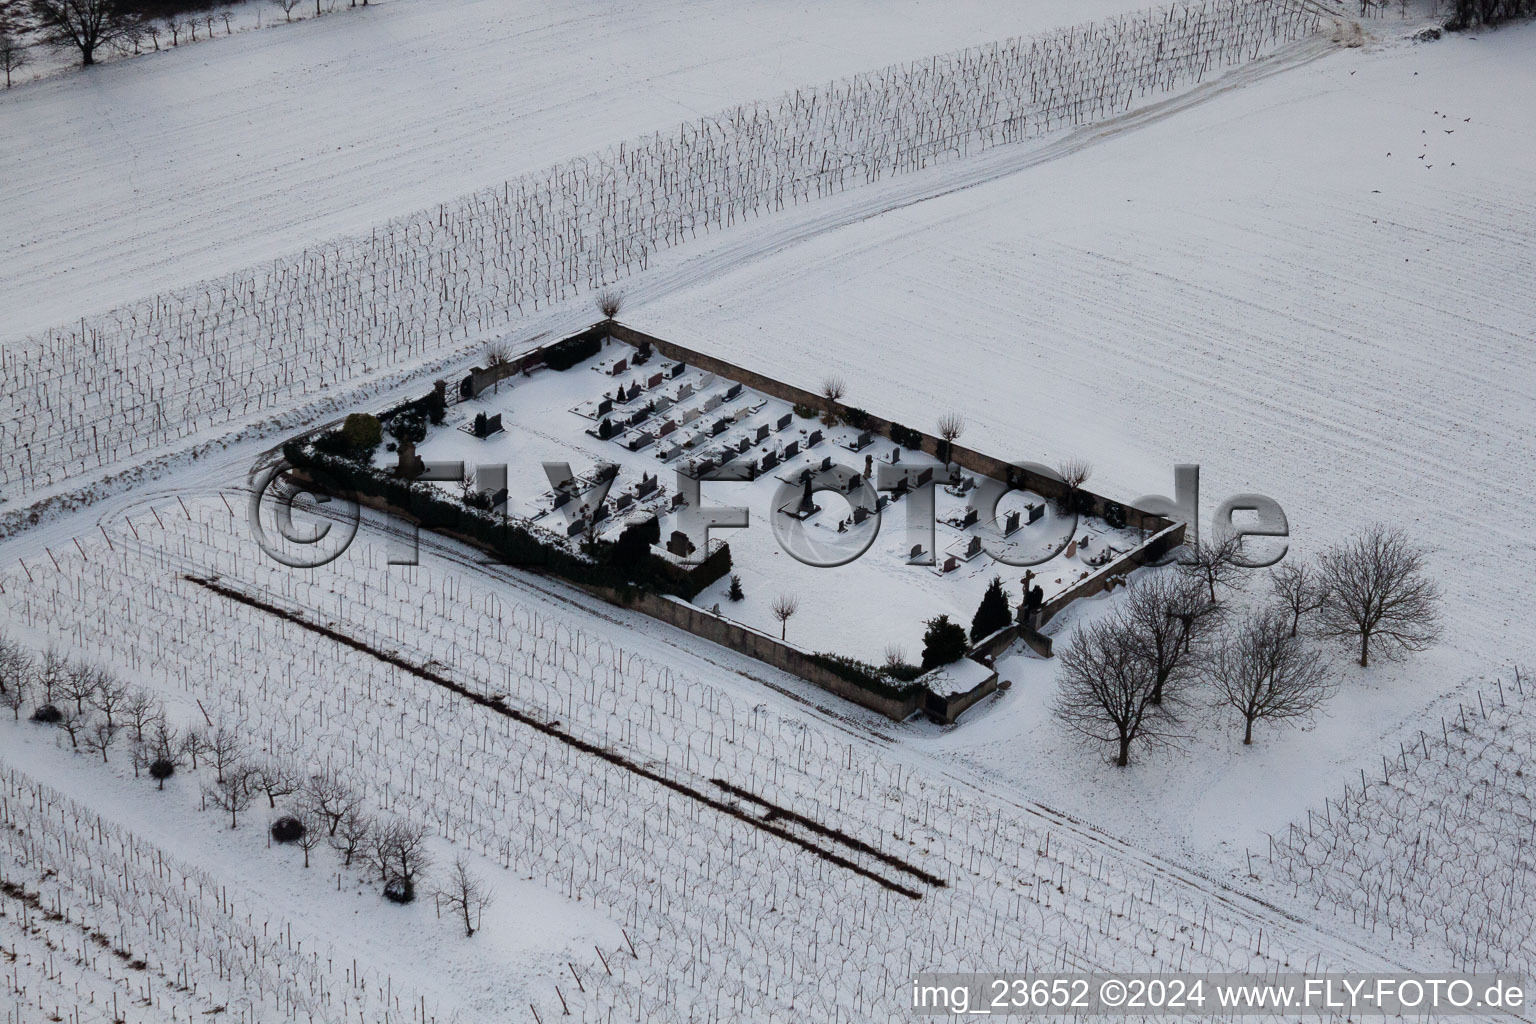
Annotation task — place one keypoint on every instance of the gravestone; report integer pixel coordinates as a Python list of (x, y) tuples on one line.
[(860, 514), (762, 431), (784, 420), (676, 370), (1011, 522), (974, 547), (619, 367), (1036, 512), (732, 391), (814, 439), (623, 502), (791, 449), (971, 516), (679, 544), (951, 564), (575, 527), (605, 407), (654, 380)]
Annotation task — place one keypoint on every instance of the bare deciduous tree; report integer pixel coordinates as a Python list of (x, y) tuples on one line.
[(276, 777), (232, 791), (1106, 689), (833, 388), (784, 608), (351, 834), (287, 7), (1214, 562), (495, 354), (609, 302), (1298, 589), (111, 698), (140, 710), (13, 55), (15, 665), (74, 722), (100, 737), (194, 742), (311, 834), (398, 849), (1378, 592), (87, 25), (80, 684), (51, 673), (950, 426), (465, 893), (226, 748), (329, 798), (1263, 671), (1172, 623), (1074, 472), (15, 696)]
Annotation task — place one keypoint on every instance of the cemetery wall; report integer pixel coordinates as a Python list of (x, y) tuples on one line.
[(1113, 572)]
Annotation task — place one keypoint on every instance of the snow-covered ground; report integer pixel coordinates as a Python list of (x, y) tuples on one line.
[(144, 174), (1310, 275), (1316, 287)]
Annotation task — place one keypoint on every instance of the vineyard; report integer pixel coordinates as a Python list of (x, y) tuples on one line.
[(1439, 848), (755, 858), (93, 394)]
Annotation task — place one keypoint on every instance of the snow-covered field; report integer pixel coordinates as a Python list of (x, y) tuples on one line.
[(1309, 274)]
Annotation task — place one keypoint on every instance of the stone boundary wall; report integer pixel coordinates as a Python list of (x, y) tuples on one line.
[(1158, 545)]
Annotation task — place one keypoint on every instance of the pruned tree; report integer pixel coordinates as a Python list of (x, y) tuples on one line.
[(1214, 562), (14, 55), (1106, 686), (1298, 588), (950, 426), (1171, 623), (465, 893), (784, 608), (100, 736), (1074, 472), (495, 354), (86, 25), (1264, 672), (276, 777), (1379, 593), (609, 302), (833, 388), (351, 834), (232, 791)]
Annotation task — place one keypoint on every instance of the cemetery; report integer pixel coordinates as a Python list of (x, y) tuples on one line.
[(592, 452)]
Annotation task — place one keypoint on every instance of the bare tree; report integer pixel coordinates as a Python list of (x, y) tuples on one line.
[(1074, 472), (895, 655), (176, 25), (1106, 689), (311, 834), (287, 6), (495, 354), (950, 426), (87, 25), (110, 698), (351, 834), (15, 665), (784, 608), (139, 711), (1214, 562), (329, 798), (80, 684), (74, 722), (1298, 588), (1263, 671), (14, 55), (1377, 591), (167, 748), (466, 893), (15, 696), (100, 736), (1171, 623), (232, 791), (276, 777), (51, 673), (226, 748), (609, 302), (833, 388), (194, 742), (399, 851)]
